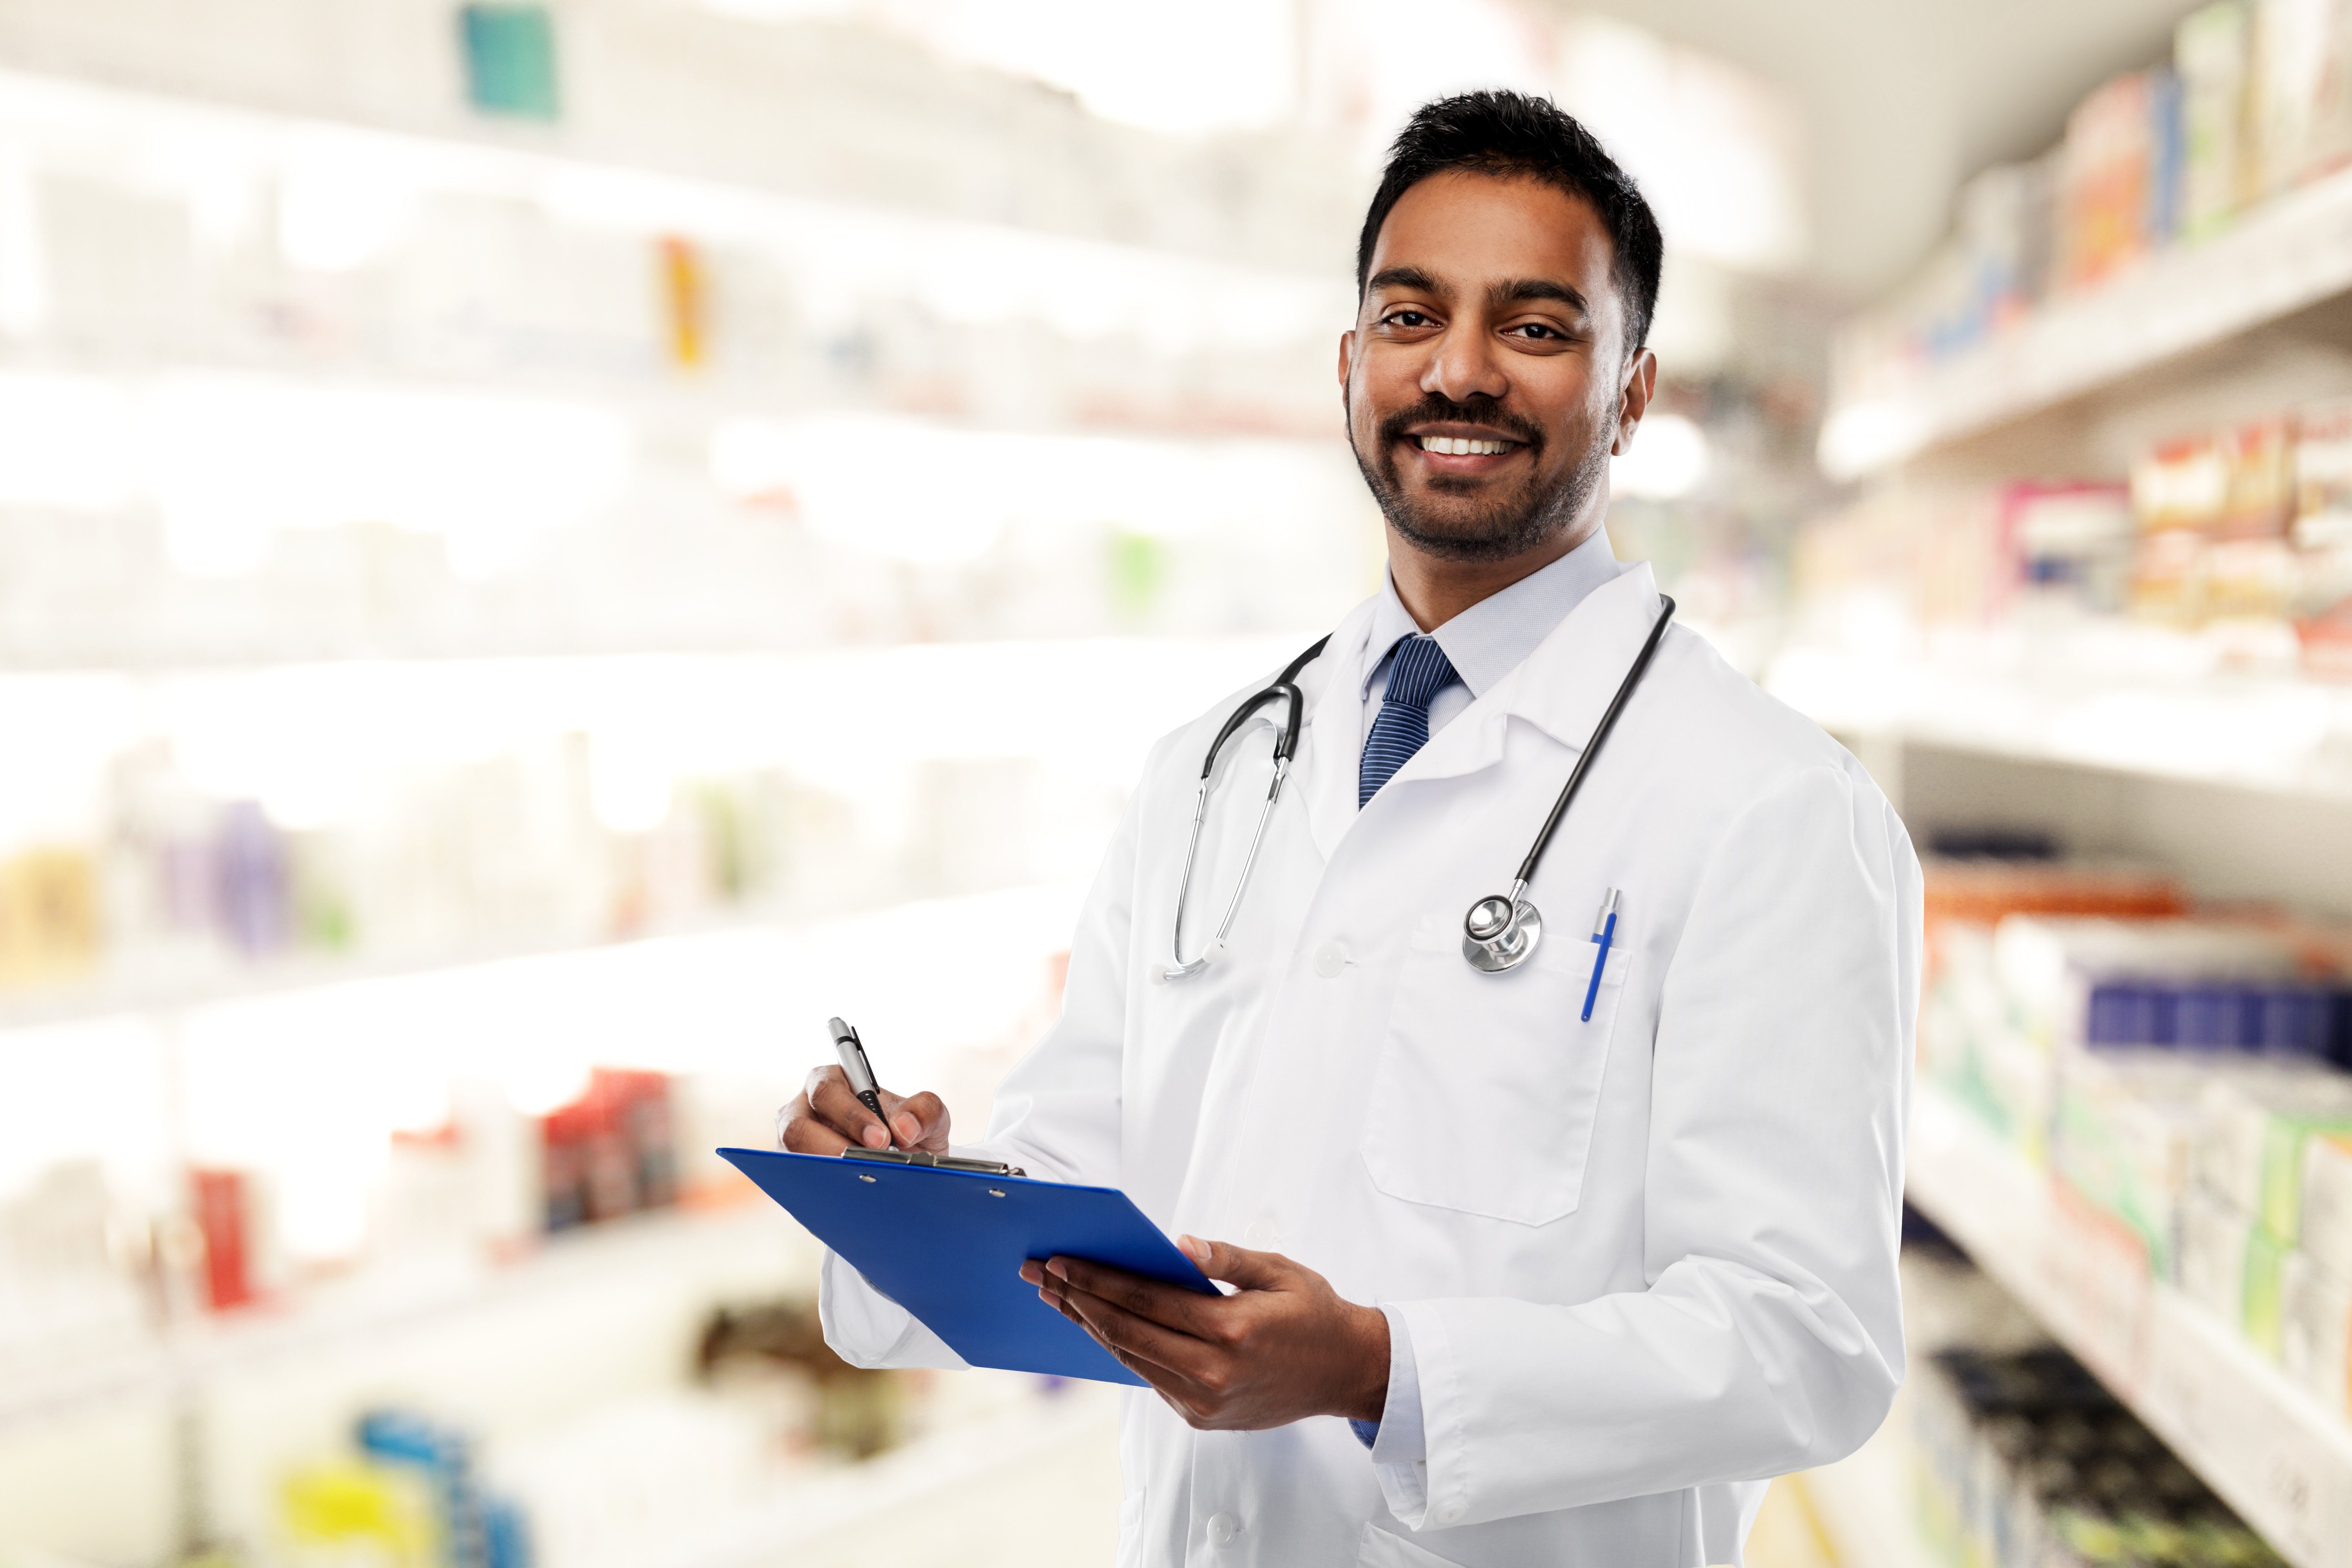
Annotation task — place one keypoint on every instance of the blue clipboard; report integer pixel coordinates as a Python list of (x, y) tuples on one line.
[(947, 1246)]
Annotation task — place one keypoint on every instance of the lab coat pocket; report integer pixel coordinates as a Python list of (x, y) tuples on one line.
[(1386, 1549), (1488, 1084)]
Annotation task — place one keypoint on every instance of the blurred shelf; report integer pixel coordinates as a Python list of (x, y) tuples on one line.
[(220, 978), (1013, 1455), (369, 1306), (2291, 253), (198, 983), (2272, 1451), (2274, 733)]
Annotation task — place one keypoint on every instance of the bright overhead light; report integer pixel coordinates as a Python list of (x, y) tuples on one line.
[(1667, 460)]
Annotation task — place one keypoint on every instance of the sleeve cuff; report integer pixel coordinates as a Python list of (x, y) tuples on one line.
[(1397, 1436), (1417, 1352), (867, 1329)]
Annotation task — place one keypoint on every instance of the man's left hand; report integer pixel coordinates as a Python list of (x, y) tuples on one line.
[(1283, 1347)]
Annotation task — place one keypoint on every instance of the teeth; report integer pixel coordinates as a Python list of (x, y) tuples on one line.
[(1461, 447)]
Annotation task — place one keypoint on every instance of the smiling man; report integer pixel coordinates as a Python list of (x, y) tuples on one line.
[(1540, 1250)]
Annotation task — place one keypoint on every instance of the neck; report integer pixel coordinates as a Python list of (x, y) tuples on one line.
[(1436, 588)]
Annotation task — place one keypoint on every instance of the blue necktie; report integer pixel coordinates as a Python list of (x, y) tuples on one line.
[(1417, 672)]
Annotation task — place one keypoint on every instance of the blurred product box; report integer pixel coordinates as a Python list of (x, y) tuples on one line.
[(2114, 176), (2314, 1336), (77, 1276), (610, 1152), (2321, 599), (345, 1511), (2074, 540), (2027, 1461), (2209, 52), (2216, 1236), (2126, 1139), (2326, 1233), (49, 921), (1982, 891), (2255, 1130), (410, 1497)]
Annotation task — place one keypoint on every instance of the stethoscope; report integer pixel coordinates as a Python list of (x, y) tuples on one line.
[(1502, 929)]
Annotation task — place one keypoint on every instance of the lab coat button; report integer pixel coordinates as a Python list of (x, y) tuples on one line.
[(1449, 1513), (1223, 1528), (1330, 960), (1260, 1234)]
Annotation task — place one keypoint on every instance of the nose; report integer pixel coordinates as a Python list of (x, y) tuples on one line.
[(1463, 364)]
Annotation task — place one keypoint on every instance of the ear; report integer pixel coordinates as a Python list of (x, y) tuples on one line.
[(1347, 360), (1633, 398)]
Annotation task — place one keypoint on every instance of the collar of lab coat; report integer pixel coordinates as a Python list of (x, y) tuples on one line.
[(1561, 688)]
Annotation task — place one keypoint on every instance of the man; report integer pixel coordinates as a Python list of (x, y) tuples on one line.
[(1557, 1265)]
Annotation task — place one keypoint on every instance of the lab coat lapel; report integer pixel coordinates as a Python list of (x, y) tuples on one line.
[(1334, 742), (1562, 688)]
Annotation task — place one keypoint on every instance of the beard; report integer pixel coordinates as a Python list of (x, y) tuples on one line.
[(1509, 524)]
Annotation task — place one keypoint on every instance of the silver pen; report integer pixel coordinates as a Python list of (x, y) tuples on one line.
[(860, 1073)]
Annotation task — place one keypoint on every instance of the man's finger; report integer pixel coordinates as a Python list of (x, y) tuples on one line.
[(920, 1121), (1237, 1265), (829, 1094), (803, 1133), (1190, 1360), (1170, 1385), (1187, 1311)]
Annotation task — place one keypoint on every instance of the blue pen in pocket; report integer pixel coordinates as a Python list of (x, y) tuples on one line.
[(1605, 933)]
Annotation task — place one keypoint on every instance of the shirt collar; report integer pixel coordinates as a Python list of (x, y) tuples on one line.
[(1495, 636)]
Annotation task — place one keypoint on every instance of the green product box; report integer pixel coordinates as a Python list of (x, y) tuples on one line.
[(509, 59), (2260, 1317)]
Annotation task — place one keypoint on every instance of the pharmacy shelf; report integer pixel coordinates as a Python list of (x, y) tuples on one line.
[(216, 977), (2269, 1448), (364, 1311), (2274, 734), (2291, 253), (1051, 1460)]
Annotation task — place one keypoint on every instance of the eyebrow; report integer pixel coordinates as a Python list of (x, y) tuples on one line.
[(1510, 292), (1520, 288), (1406, 277)]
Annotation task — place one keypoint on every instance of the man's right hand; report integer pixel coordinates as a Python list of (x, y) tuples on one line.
[(827, 1118)]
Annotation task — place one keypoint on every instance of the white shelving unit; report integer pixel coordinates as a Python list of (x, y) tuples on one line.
[(369, 1308), (2271, 1450), (2291, 253), (2275, 733)]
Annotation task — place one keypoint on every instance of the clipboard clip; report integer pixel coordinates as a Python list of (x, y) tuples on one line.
[(940, 1161)]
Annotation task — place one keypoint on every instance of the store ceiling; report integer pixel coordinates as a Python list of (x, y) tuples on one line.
[(1905, 99)]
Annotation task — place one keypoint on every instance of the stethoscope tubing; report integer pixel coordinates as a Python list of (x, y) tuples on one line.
[(1284, 689), (1526, 871)]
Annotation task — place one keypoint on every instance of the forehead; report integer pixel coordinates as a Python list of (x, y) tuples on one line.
[(1466, 230)]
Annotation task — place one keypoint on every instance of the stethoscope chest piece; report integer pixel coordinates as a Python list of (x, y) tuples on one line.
[(1499, 932)]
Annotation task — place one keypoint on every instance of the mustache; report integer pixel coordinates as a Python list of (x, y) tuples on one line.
[(1437, 408)]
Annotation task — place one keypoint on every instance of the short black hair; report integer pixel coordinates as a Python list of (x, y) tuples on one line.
[(1508, 134)]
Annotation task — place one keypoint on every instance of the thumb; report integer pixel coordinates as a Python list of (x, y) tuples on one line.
[(1236, 1265)]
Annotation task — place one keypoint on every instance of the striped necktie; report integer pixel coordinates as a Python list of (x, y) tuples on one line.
[(1418, 671)]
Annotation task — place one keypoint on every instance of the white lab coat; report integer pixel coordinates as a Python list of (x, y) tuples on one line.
[(1647, 1261)]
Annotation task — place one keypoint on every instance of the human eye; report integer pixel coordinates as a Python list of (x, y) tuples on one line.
[(1407, 318)]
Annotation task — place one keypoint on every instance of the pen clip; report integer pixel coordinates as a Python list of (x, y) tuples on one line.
[(1608, 911)]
